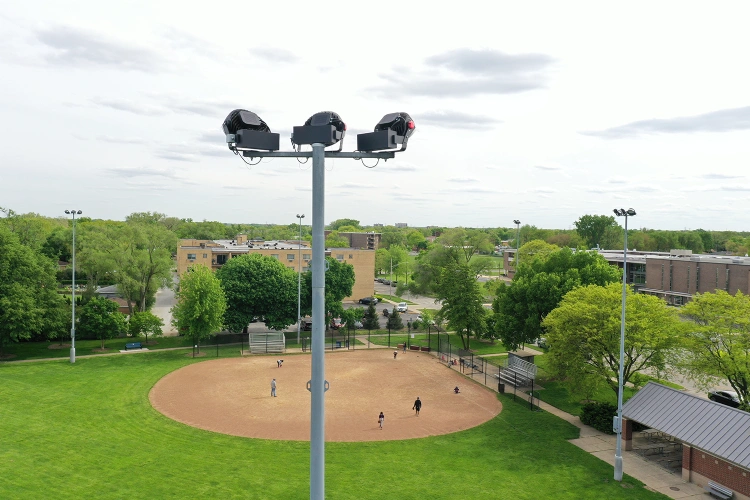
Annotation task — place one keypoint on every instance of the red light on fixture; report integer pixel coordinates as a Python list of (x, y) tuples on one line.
[(411, 125)]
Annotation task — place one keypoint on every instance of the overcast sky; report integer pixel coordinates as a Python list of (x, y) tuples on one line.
[(538, 111)]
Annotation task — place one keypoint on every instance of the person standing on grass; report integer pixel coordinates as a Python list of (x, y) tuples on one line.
[(381, 417), (273, 387), (417, 405)]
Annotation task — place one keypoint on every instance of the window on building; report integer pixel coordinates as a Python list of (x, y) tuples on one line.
[(191, 256), (290, 256), (221, 259), (275, 256), (205, 255), (306, 256), (351, 256), (339, 256)]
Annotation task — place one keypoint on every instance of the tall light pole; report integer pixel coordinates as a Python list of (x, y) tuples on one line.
[(73, 314), (518, 235), (621, 212), (299, 274), (248, 135)]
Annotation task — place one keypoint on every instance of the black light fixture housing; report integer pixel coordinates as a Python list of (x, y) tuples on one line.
[(621, 212), (245, 130), (393, 129), (325, 127)]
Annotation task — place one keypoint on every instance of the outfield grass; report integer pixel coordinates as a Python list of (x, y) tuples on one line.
[(422, 338), (87, 430)]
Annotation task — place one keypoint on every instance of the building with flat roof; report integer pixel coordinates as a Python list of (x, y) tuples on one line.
[(292, 253), (365, 241), (677, 275)]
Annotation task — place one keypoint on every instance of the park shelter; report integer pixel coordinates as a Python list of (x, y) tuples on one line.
[(715, 438)]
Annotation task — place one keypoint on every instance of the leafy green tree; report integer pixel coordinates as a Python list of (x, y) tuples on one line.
[(717, 341), (138, 256), (414, 238), (465, 243), (101, 319), (398, 255), (351, 316), (382, 261), (145, 323), (339, 282), (592, 228), (462, 301), (29, 304), (31, 229), (583, 334), (201, 304), (394, 320), (370, 319), (538, 287), (333, 240), (339, 223), (535, 249), (391, 235), (258, 288)]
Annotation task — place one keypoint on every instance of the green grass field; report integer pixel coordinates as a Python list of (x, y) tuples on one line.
[(87, 430)]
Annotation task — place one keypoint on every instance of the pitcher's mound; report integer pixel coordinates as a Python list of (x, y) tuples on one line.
[(233, 396)]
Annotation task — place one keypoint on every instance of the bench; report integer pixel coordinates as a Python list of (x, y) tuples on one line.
[(133, 345), (719, 491)]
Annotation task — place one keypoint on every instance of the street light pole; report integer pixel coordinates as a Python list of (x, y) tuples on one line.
[(299, 275), (73, 314), (518, 234), (621, 212)]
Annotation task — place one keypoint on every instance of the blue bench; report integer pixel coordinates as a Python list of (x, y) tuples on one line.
[(133, 345)]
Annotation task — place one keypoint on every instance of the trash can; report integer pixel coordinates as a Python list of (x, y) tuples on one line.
[(501, 388)]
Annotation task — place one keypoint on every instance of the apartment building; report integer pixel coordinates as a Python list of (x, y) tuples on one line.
[(294, 254)]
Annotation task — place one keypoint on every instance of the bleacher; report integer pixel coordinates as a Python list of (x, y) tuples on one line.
[(266, 342), (517, 372)]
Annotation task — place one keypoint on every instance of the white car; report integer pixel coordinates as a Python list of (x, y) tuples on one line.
[(401, 307)]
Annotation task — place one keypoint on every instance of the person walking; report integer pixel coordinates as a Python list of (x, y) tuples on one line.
[(381, 417), (273, 387), (395, 353), (417, 405)]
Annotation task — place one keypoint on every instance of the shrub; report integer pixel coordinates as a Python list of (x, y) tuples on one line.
[(599, 416)]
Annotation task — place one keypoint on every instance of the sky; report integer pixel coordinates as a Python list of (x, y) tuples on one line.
[(536, 111)]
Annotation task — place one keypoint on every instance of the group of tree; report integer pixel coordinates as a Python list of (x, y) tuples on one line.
[(251, 288), (542, 279)]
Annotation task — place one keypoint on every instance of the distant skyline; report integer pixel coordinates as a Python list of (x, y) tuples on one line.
[(541, 112)]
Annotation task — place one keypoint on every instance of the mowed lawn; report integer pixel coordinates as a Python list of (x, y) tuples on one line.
[(88, 431)]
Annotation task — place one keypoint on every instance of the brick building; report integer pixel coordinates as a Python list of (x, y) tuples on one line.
[(294, 254)]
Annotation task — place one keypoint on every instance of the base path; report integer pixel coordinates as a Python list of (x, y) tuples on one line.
[(233, 396)]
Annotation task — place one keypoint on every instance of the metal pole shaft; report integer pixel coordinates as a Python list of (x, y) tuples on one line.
[(618, 450), (317, 384), (299, 278), (518, 235), (73, 314)]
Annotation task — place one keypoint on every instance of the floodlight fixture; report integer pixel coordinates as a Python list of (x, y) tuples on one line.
[(245, 130), (516, 221), (74, 212), (621, 212), (393, 129), (325, 127)]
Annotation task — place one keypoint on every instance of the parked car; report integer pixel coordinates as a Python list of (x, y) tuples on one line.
[(386, 312), (357, 325), (542, 342), (379, 280), (336, 323), (368, 300), (402, 307), (728, 398), (386, 282), (307, 324)]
